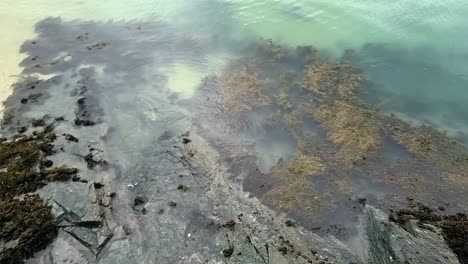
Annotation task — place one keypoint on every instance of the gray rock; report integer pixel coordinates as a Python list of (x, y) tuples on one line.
[(64, 250), (275, 257), (389, 243)]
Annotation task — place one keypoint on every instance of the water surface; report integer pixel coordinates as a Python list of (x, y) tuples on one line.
[(154, 66)]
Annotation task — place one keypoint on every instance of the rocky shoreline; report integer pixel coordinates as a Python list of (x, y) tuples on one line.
[(106, 166), (208, 207)]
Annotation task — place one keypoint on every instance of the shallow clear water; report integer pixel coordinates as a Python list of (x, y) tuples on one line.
[(422, 66), (156, 54)]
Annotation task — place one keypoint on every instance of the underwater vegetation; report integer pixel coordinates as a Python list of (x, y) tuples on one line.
[(447, 155), (305, 165), (341, 140), (27, 224), (295, 191), (242, 90), (338, 142)]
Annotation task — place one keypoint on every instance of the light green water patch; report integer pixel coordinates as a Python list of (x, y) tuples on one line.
[(306, 24), (328, 24), (184, 79), (92, 10), (337, 23)]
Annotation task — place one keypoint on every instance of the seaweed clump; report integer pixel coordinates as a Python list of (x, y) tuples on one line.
[(21, 164), (242, 90), (298, 96), (305, 165), (454, 227), (270, 51), (295, 190), (27, 224), (333, 80), (294, 195), (434, 147), (349, 123)]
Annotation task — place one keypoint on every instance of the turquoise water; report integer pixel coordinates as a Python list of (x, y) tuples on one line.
[(420, 57), (413, 52)]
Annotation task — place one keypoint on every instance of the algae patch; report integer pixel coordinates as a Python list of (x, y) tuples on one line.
[(295, 192), (445, 154), (350, 124), (305, 165), (242, 90), (27, 224), (275, 96)]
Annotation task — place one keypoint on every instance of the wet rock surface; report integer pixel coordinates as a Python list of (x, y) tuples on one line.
[(453, 228), (139, 188), (212, 221), (416, 242)]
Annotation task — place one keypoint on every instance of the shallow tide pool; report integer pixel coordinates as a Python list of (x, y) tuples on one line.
[(315, 108)]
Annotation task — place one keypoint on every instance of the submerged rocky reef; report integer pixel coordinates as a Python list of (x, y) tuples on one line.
[(276, 159), (341, 142)]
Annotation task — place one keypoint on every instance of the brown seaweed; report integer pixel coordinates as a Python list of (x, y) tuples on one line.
[(433, 147), (27, 224), (295, 190), (243, 90), (306, 165), (318, 102), (349, 123)]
